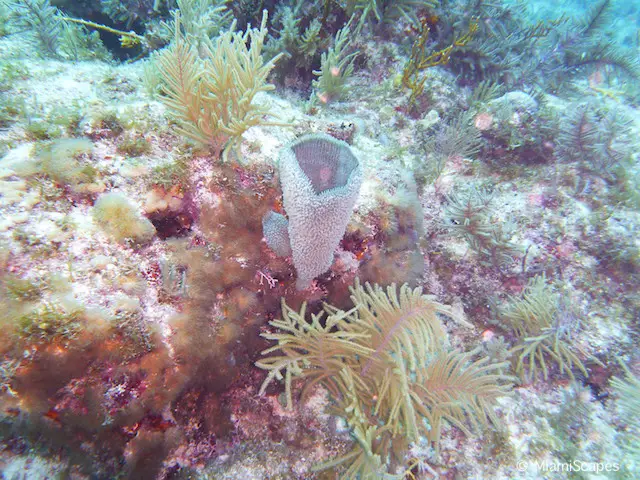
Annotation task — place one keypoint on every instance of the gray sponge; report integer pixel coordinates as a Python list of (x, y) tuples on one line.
[(320, 180), (275, 228)]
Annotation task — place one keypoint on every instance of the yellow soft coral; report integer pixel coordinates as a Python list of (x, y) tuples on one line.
[(212, 99), (419, 60)]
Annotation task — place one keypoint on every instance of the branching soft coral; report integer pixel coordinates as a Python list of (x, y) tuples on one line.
[(387, 11), (212, 100), (470, 216), (385, 364), (545, 326), (39, 16), (336, 67), (601, 142), (300, 44), (628, 390)]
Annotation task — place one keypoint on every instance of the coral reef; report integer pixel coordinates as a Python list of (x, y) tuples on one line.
[(423, 213)]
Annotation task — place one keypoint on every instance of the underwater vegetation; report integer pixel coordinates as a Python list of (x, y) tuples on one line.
[(545, 325), (627, 389), (53, 37), (384, 364), (299, 46), (357, 239), (470, 217), (599, 140), (212, 101), (335, 67)]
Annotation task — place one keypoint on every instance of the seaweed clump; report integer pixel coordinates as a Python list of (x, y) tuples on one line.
[(586, 45), (299, 38), (53, 37), (40, 17), (65, 161), (386, 367), (450, 140), (73, 374), (220, 273), (336, 66), (476, 40)]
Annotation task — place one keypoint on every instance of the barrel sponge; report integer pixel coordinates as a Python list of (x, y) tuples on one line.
[(320, 180), (275, 228)]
